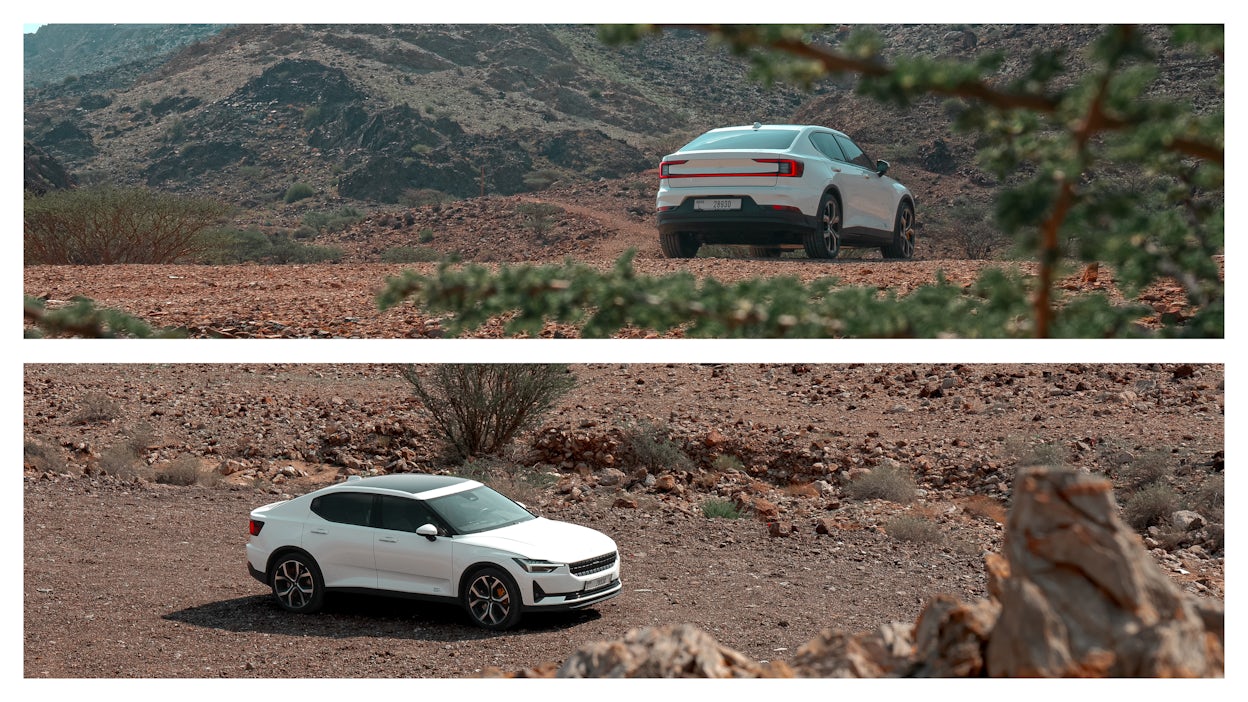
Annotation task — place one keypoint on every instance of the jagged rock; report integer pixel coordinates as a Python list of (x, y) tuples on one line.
[(1083, 598), (681, 651), (885, 652), (950, 638), (1187, 520)]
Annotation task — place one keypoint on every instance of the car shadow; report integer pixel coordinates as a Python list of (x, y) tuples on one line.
[(350, 615)]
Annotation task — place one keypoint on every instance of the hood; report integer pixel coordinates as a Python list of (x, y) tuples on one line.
[(545, 539)]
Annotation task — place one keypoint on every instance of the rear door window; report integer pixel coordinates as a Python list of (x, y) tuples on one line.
[(346, 507), (853, 154), (825, 142)]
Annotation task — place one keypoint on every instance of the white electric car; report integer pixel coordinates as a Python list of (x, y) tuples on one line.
[(781, 186), (432, 537)]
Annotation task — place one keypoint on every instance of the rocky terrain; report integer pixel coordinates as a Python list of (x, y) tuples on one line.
[(109, 539)]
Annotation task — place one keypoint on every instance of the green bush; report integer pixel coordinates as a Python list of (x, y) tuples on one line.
[(721, 508), (239, 246), (426, 236), (298, 191), (479, 408), (651, 447), (883, 483), (104, 225)]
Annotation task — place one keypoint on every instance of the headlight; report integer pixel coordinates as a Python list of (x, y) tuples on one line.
[(532, 566)]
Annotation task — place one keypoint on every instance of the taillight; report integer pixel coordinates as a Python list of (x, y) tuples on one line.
[(785, 167), (663, 168), (254, 527)]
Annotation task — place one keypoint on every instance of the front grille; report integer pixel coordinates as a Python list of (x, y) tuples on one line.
[(593, 565)]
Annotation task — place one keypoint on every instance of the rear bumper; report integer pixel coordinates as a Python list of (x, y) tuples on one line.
[(751, 225), (257, 574)]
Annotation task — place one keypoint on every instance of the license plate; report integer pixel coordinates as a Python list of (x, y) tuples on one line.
[(718, 204), (597, 582)]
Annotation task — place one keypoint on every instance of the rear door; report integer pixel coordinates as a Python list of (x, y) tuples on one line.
[(339, 537), (869, 198)]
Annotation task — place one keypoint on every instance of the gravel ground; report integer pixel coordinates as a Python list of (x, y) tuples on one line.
[(130, 578)]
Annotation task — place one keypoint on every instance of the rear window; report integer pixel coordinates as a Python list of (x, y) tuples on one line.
[(743, 139)]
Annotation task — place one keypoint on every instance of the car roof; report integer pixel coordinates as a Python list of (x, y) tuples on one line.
[(415, 483), (781, 126)]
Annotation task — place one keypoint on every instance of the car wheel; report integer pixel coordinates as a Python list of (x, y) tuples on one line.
[(765, 251), (903, 234), (297, 583), (678, 244), (825, 242), (492, 599)]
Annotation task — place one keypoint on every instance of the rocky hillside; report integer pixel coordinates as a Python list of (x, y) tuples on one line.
[(374, 113)]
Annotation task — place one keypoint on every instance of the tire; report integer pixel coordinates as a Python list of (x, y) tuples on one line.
[(678, 244), (903, 234), (297, 583), (765, 251), (492, 599), (825, 242)]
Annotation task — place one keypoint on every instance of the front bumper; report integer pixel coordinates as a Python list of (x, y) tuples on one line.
[(546, 602)]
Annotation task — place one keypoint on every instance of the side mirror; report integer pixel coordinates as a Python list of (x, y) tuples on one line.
[(428, 531), (881, 167)]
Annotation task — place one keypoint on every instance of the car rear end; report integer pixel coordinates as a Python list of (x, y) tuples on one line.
[(738, 185)]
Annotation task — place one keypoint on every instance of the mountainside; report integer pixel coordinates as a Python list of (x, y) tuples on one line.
[(373, 115)]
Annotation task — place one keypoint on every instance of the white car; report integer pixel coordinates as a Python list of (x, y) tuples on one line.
[(781, 186), (432, 537)]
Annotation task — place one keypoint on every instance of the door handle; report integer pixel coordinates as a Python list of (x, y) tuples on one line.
[(319, 531), (388, 540)]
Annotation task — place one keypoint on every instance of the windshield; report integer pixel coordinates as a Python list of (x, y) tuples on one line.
[(478, 509), (743, 139)]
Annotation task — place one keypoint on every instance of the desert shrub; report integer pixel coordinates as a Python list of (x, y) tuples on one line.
[(252, 173), (297, 192), (525, 484), (38, 455), (479, 408), (651, 447), (104, 225), (538, 217), (1149, 506), (182, 471), (238, 246), (1210, 498), (540, 179), (337, 221), (96, 407), (121, 462), (718, 507), (908, 527), (1145, 468), (422, 197), (425, 236), (727, 463), (883, 483), (410, 254)]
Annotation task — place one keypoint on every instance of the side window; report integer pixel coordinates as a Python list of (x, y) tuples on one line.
[(854, 154), (401, 514), (827, 146), (345, 507)]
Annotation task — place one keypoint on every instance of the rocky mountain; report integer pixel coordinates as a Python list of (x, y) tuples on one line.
[(375, 114)]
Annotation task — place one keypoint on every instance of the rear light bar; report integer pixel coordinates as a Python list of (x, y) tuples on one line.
[(254, 527), (785, 168)]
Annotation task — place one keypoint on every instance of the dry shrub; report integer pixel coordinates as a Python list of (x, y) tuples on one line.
[(651, 447), (913, 528), (38, 456), (183, 470), (984, 506), (801, 490), (1210, 498), (884, 483), (121, 462), (1150, 506), (1146, 468), (96, 407)]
